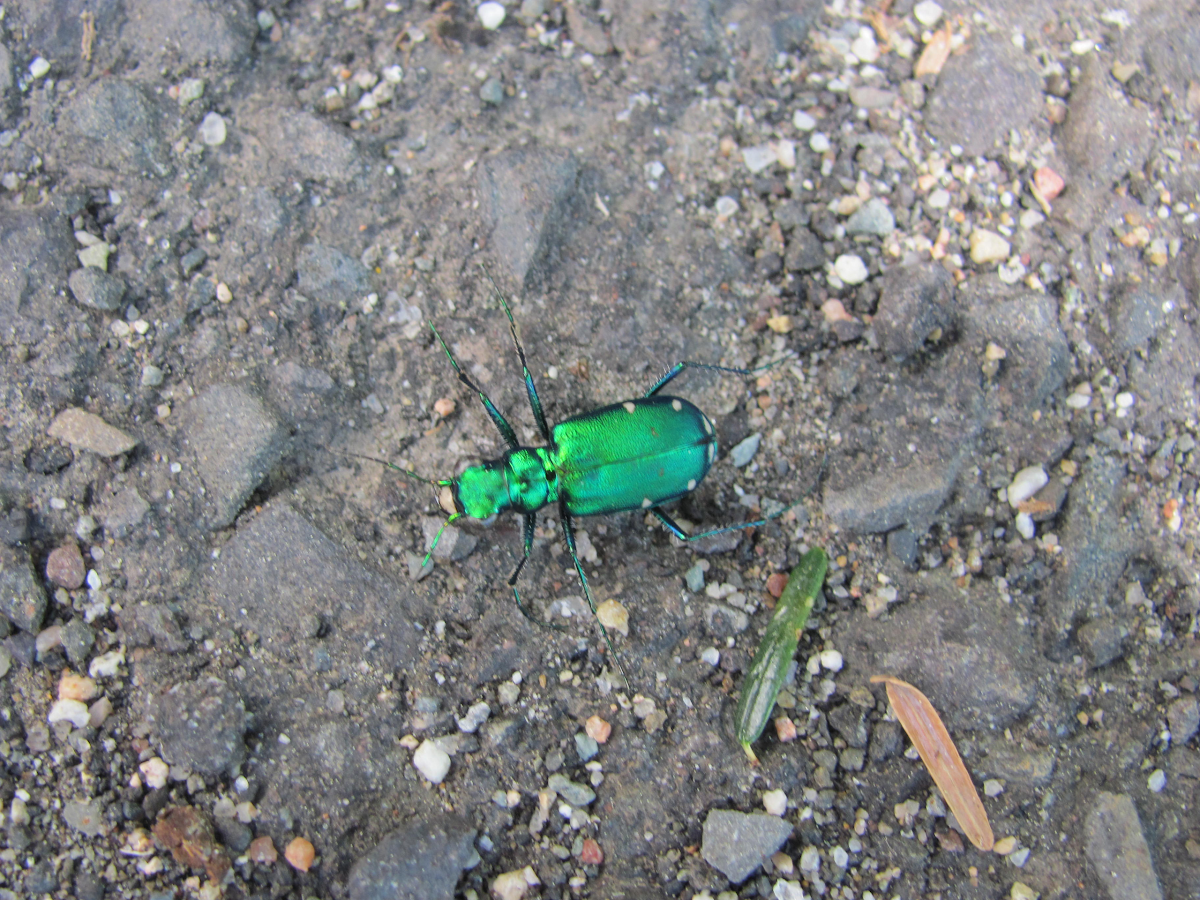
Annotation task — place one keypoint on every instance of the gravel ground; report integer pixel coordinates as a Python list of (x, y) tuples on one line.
[(969, 230)]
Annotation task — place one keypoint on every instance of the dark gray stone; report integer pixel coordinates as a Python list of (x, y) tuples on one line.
[(972, 656), (1104, 137), (96, 289), (982, 95), (36, 252), (1030, 767), (54, 28), (902, 544), (422, 860), (1164, 379), (736, 844), (525, 199), (330, 277), (1102, 641), (151, 624), (117, 125), (805, 252), (22, 597), (1097, 542), (199, 726), (298, 143), (88, 885), (192, 260), (1136, 313), (233, 834), (78, 638), (1117, 849), (188, 33), (914, 301), (236, 441)]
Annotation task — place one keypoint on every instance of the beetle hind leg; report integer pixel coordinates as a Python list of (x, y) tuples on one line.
[(530, 525)]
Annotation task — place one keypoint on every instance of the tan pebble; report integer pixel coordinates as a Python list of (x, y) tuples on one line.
[(300, 853), (1049, 182), (614, 616), (597, 729), (99, 712), (776, 583), (262, 850), (1005, 845), (780, 324), (785, 729), (76, 687), (444, 407), (224, 294)]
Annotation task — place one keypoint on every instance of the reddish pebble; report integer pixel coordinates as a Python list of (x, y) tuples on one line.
[(1048, 182), (776, 583), (64, 566), (591, 854), (597, 729), (444, 407), (262, 850), (300, 853), (951, 841), (785, 729)]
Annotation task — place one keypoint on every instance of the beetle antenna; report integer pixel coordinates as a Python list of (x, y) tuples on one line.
[(437, 537), (383, 462)]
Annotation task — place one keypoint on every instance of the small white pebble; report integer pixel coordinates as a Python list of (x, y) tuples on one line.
[(993, 787), (819, 143), (711, 655), (775, 802), (1078, 401), (831, 660), (39, 67), (1124, 400), (1026, 483), (154, 773), (802, 121), (72, 711), (726, 207), (810, 859), (1157, 780), (1019, 858), (212, 130), (224, 294), (927, 13), (840, 857), (850, 269), (1025, 526), (431, 761), (491, 15)]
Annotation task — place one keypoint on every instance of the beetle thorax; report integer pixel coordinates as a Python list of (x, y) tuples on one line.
[(522, 480)]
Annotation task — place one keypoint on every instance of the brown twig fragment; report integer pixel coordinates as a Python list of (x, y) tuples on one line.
[(89, 35), (925, 729)]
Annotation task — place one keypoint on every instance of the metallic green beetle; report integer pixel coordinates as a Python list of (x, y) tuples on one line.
[(639, 454)]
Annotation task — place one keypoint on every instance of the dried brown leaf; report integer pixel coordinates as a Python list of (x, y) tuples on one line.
[(935, 54), (925, 729)]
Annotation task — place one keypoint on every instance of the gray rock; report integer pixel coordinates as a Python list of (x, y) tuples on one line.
[(22, 597), (736, 844), (117, 125), (1102, 641), (299, 144), (96, 289), (87, 431), (1031, 767), (422, 860), (973, 657), (55, 29), (124, 512), (805, 252), (1117, 849), (1096, 544), (187, 33), (235, 440), (744, 450), (1136, 313), (454, 544), (151, 624), (574, 793), (902, 545), (192, 260), (36, 252), (873, 217), (199, 726), (525, 195), (78, 638), (1104, 136), (1164, 379), (982, 95), (492, 92), (86, 817), (1184, 717), (330, 277), (914, 301)]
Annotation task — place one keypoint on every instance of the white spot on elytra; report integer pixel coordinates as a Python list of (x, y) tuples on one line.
[(712, 452), (646, 504), (691, 484), (676, 405), (629, 407), (707, 426)]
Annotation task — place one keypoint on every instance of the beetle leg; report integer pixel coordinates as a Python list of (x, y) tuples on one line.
[(569, 534), (535, 402), (530, 525), (688, 364), (498, 420)]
